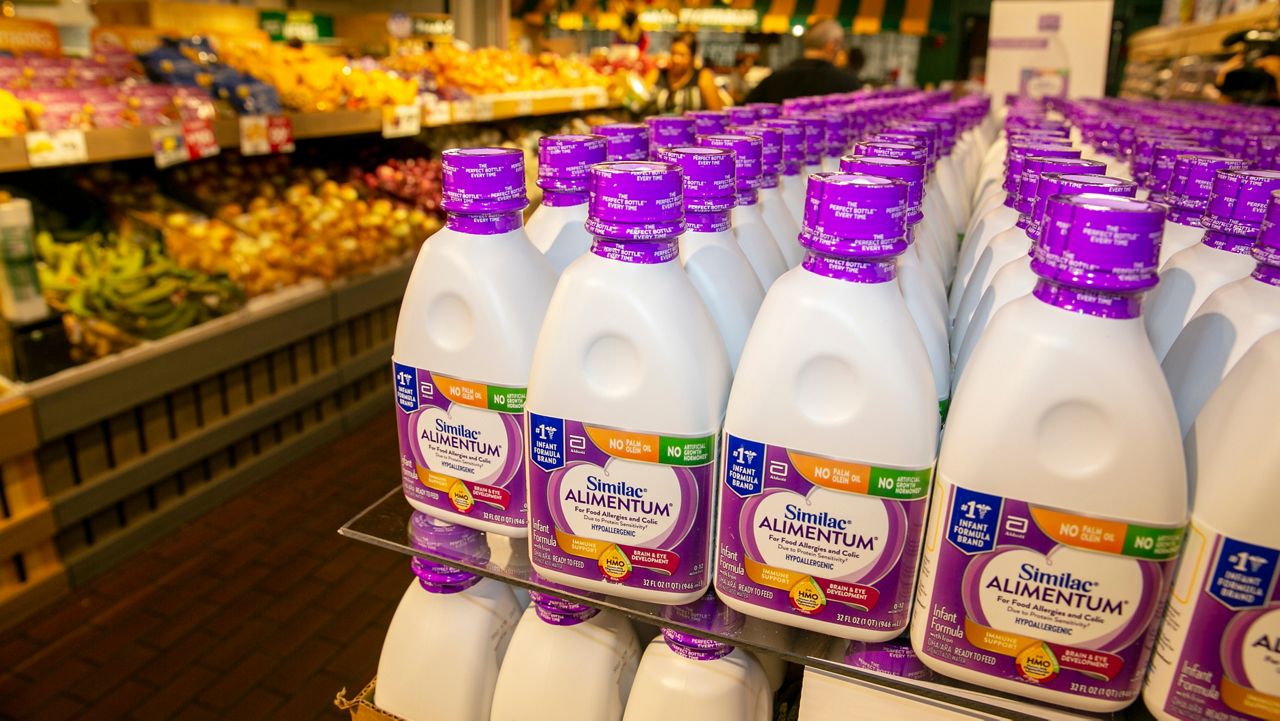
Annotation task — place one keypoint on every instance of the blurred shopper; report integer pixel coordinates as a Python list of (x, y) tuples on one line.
[(684, 85), (738, 82), (813, 74)]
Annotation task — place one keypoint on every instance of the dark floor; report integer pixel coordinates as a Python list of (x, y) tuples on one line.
[(257, 610)]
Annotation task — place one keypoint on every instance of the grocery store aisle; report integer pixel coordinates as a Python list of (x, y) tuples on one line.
[(257, 610)]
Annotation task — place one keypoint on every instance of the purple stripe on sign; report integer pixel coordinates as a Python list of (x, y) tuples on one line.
[(1018, 43)]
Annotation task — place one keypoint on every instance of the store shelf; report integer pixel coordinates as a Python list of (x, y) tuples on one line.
[(130, 143), (386, 524), (1198, 38)]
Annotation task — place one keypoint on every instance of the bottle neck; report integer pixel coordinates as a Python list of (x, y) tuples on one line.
[(695, 647), (439, 578), (769, 180), (649, 252), (1100, 304), (748, 197), (712, 222), (563, 198), (559, 612), (1183, 216), (486, 224), (851, 271), (1219, 240)]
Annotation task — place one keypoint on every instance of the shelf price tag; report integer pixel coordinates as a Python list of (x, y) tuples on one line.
[(464, 111), (578, 101), (435, 112), (201, 142), (401, 121), (266, 134), (169, 145), (524, 106), (58, 147)]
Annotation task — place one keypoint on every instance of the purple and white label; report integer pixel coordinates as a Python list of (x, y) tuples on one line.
[(1042, 596), (831, 540), (1219, 647), (461, 445), (625, 507)]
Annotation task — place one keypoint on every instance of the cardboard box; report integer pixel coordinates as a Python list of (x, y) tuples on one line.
[(362, 708)]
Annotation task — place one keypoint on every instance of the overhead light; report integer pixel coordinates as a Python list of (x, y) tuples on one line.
[(797, 30)]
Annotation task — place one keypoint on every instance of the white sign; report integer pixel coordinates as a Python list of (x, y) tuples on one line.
[(401, 121), (58, 147)]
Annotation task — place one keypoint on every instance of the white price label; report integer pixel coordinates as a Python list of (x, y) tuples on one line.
[(435, 112), (265, 134), (58, 147), (401, 121), (169, 145)]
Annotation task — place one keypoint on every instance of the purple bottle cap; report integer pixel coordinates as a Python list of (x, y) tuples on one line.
[(891, 149), (1192, 182), (563, 161), (706, 614), (741, 115), (439, 538), (1100, 242), (708, 177), (1019, 151), (481, 181), (1051, 184), (770, 150), (792, 143), (909, 171), (1163, 159), (923, 136), (766, 111), (669, 131), (895, 659), (560, 612), (1238, 201), (861, 217), (708, 121), (748, 150), (627, 141), (815, 137), (635, 201), (1267, 250), (1269, 152), (836, 134), (1033, 166)]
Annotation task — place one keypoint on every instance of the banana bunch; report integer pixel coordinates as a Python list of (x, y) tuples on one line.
[(131, 285)]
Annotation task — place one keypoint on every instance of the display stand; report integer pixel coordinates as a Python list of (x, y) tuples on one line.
[(386, 524)]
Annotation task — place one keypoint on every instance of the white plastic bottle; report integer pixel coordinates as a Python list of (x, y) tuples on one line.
[(950, 179), (1061, 494), (992, 194), (939, 222), (626, 141), (929, 236), (670, 131), (773, 204), (1016, 279), (449, 634), (1012, 242), (1226, 325), (686, 676), (926, 301), (715, 263), (626, 398), (566, 662), (1231, 222), (793, 179), (468, 323), (1216, 654), (1002, 218), (1188, 197), (748, 221), (824, 492), (556, 227)]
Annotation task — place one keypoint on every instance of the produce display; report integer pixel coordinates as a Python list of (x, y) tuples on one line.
[(453, 73), (308, 80), (414, 180), (129, 284), (193, 62)]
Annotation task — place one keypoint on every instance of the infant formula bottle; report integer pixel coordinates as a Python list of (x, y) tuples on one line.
[(670, 131), (626, 141), (1060, 503), (468, 323), (815, 143), (1216, 656), (747, 218), (556, 227), (449, 634), (782, 226), (1187, 198), (626, 398), (827, 476), (792, 180), (720, 272)]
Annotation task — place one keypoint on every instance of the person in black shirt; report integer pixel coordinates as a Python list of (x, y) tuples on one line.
[(813, 74)]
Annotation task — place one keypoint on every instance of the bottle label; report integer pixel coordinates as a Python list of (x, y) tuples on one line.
[(1221, 631), (460, 445), (626, 507), (832, 540), (1047, 597)]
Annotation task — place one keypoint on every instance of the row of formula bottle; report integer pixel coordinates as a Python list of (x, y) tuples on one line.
[(592, 417), (1218, 287), (465, 648)]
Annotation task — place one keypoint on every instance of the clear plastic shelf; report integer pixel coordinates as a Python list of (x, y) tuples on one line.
[(386, 523)]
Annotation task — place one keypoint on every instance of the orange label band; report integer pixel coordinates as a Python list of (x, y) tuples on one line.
[(1248, 701)]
